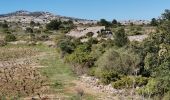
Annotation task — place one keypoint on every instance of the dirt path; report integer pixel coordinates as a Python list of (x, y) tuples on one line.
[(88, 90)]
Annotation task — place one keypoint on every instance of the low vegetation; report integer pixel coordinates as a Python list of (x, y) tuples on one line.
[(126, 64), (143, 67)]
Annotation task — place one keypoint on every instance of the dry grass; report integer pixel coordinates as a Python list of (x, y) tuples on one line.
[(16, 53)]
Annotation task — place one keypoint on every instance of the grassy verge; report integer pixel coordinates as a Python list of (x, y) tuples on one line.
[(60, 75)]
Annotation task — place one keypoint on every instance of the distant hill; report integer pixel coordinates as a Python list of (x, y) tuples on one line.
[(45, 17), (39, 16)]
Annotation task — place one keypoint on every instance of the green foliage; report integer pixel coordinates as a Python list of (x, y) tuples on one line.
[(119, 62), (10, 38), (116, 62), (150, 89), (92, 41), (163, 77), (110, 60), (166, 15), (154, 22), (104, 22), (66, 26), (29, 30), (80, 59), (114, 22), (32, 23), (91, 71), (97, 50), (53, 25), (66, 46), (125, 82), (135, 30), (80, 55), (129, 81), (151, 61), (120, 38), (107, 76), (157, 59)]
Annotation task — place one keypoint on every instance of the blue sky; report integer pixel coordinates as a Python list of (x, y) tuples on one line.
[(91, 9)]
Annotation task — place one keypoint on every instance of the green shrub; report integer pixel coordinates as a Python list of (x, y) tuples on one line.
[(80, 59), (10, 38), (120, 38), (108, 76), (141, 81), (91, 71), (150, 89), (129, 81), (29, 30), (118, 61), (125, 82), (53, 25)]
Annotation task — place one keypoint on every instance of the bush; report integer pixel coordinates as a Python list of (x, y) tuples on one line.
[(10, 38), (29, 30), (104, 22), (120, 38), (53, 25), (108, 76), (2, 43), (128, 82), (97, 50), (118, 61), (66, 46), (91, 71), (89, 34), (150, 89), (80, 59), (125, 82)]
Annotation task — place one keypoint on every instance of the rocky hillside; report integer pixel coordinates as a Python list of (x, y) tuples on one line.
[(39, 16)]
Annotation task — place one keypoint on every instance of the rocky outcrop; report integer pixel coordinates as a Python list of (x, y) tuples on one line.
[(138, 38), (92, 82)]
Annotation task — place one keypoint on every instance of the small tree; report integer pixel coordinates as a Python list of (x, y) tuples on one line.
[(53, 25), (104, 22), (80, 59), (116, 63), (114, 22), (120, 38), (154, 22), (10, 38), (29, 30), (66, 46), (166, 14), (32, 23)]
